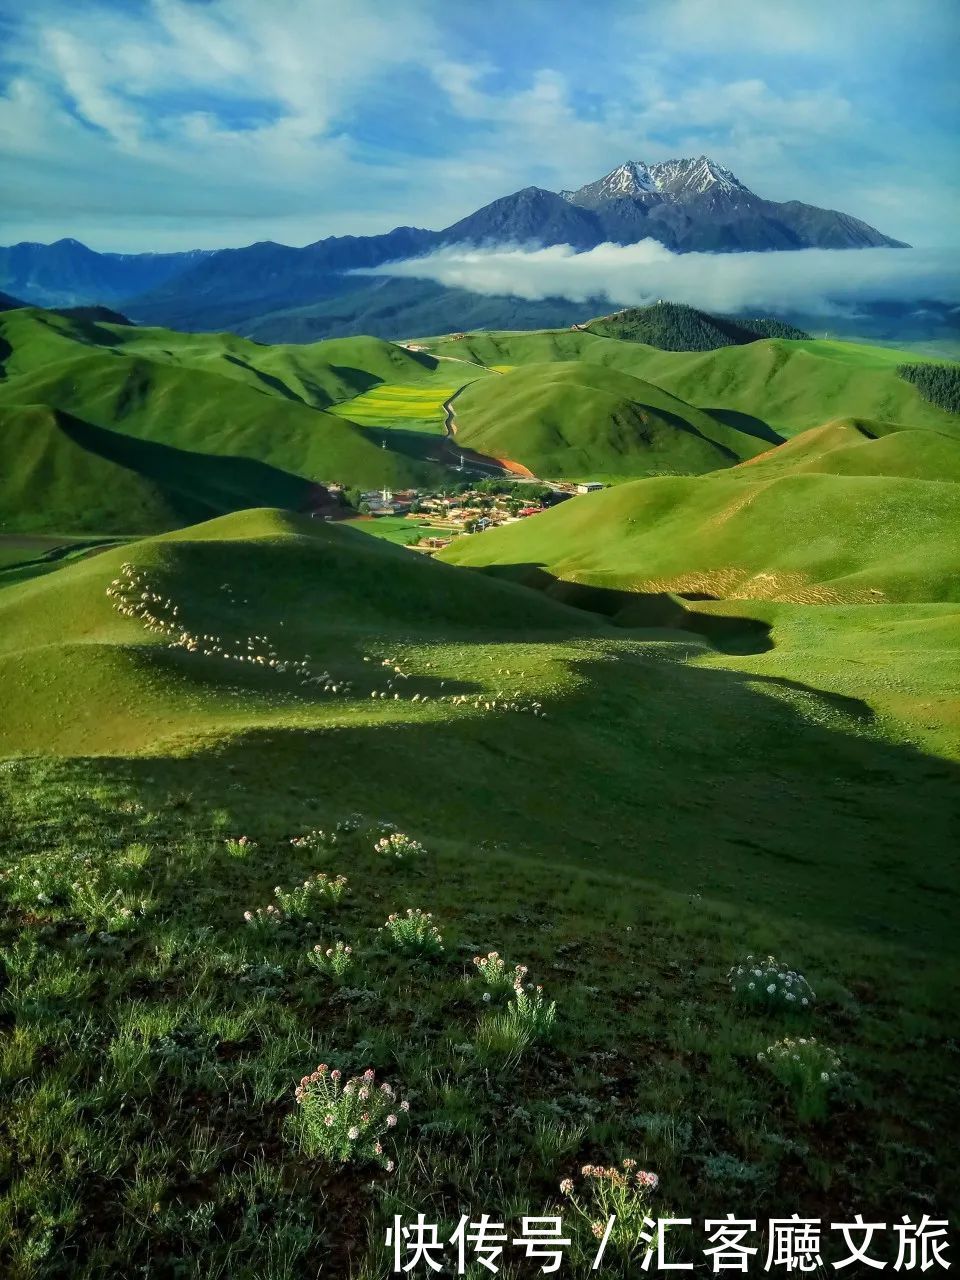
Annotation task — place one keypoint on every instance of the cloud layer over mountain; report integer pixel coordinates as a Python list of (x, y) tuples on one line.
[(817, 281)]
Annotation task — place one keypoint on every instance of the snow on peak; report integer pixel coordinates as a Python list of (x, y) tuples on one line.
[(628, 179), (694, 177), (677, 178)]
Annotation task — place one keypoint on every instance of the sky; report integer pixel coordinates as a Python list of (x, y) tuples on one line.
[(137, 125)]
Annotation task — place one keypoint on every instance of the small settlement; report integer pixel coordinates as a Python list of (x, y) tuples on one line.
[(436, 518)]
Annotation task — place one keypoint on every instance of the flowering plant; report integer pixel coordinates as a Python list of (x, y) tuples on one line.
[(264, 919), (314, 841), (770, 982), (333, 961), (493, 969), (345, 1121), (529, 1008), (414, 933), (319, 888), (399, 846), (806, 1068), (240, 847), (622, 1193)]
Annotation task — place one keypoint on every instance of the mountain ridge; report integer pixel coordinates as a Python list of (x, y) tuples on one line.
[(691, 205)]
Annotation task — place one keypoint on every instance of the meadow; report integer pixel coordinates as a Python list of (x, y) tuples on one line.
[(628, 814), (604, 864)]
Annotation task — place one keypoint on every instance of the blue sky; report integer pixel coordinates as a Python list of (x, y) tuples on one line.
[(173, 124)]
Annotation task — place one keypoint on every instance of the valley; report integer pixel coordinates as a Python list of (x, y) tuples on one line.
[(704, 711)]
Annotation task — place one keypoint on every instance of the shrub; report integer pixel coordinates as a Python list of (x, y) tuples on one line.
[(314, 841), (770, 983), (240, 847), (315, 889), (334, 961), (805, 1068), (398, 846), (264, 919), (529, 1008), (622, 1194), (526, 1018), (493, 969), (413, 933), (344, 1122)]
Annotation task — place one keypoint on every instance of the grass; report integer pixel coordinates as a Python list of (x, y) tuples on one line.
[(396, 529), (809, 538), (776, 384), (574, 420), (131, 430), (627, 798)]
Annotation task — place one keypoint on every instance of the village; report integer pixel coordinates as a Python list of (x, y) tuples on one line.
[(426, 521)]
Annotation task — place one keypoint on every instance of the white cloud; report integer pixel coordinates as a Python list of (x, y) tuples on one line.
[(296, 119), (814, 280)]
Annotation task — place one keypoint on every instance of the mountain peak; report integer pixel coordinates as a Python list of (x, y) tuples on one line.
[(632, 178), (695, 177), (677, 179)]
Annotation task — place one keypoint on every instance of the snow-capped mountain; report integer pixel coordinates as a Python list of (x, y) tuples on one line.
[(630, 179), (689, 205), (680, 179), (695, 177)]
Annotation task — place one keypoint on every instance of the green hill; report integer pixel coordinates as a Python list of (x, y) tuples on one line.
[(674, 327), (576, 420), (627, 813), (774, 384), (858, 447), (850, 523), (231, 424), (64, 474)]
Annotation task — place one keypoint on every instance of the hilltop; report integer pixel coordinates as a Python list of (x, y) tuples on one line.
[(573, 419), (672, 327), (776, 385)]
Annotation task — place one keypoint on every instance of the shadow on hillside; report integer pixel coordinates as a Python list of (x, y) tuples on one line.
[(748, 424), (642, 610), (418, 446), (269, 380), (197, 485), (755, 792)]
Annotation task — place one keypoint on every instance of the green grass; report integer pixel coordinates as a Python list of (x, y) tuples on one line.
[(781, 385), (627, 796), (811, 538), (134, 431), (575, 420), (161, 429), (676, 807), (396, 529)]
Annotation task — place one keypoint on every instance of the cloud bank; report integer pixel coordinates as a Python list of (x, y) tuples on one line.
[(814, 281)]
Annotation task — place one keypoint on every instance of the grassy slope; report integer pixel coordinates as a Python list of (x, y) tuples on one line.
[(63, 473), (787, 386), (677, 808), (249, 422), (571, 419), (811, 538)]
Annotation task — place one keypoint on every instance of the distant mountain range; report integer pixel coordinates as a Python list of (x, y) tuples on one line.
[(282, 293)]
